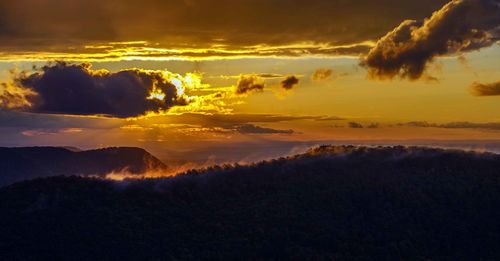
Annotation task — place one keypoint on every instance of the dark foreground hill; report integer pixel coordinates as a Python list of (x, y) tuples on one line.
[(330, 203), (18, 164)]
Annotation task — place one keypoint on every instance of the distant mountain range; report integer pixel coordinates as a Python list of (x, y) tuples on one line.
[(331, 203), (24, 163)]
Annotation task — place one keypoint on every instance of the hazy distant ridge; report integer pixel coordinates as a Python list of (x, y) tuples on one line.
[(23, 163)]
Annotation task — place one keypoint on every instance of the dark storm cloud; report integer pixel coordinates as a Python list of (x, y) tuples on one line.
[(254, 129), (459, 26), (77, 90), (55, 25), (485, 89), (289, 82), (249, 83)]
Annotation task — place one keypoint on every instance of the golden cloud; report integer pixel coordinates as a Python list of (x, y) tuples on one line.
[(95, 29)]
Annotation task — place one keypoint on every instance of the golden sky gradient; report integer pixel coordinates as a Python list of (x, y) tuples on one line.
[(266, 78)]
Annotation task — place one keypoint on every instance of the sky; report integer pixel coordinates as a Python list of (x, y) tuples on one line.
[(213, 81)]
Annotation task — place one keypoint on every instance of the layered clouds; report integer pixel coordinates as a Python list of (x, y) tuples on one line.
[(154, 29), (459, 26), (454, 125), (220, 27), (78, 90), (254, 129)]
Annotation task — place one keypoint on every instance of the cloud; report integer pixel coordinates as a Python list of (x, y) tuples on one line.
[(270, 75), (13, 97), (172, 128), (153, 50), (254, 129), (322, 74), (454, 125), (42, 132), (216, 124), (289, 82), (249, 83), (260, 75), (355, 125), (485, 89), (63, 88), (87, 27), (329, 118), (225, 121), (459, 26), (24, 120)]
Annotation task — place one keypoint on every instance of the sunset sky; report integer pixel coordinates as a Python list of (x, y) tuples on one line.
[(242, 80)]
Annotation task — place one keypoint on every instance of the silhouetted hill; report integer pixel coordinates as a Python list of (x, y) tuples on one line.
[(18, 164), (330, 203)]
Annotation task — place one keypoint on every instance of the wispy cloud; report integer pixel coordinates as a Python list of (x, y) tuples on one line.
[(322, 74), (485, 89), (41, 132), (454, 125), (254, 129)]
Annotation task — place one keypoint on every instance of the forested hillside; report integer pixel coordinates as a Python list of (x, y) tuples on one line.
[(330, 203)]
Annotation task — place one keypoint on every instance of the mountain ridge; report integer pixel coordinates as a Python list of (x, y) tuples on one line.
[(19, 163), (329, 203)]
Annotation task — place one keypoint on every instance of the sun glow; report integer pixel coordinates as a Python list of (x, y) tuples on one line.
[(178, 85), (156, 94), (190, 81), (151, 51)]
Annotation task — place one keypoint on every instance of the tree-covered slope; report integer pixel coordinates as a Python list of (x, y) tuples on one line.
[(330, 203)]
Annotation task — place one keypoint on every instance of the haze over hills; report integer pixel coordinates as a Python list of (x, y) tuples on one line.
[(31, 162), (333, 202)]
